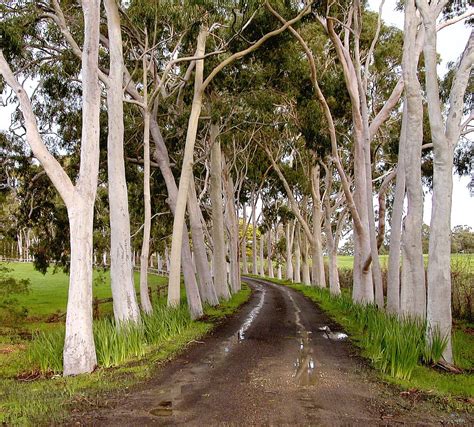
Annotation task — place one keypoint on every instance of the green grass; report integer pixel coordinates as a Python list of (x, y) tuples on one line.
[(440, 384), (48, 401), (347, 262), (48, 293)]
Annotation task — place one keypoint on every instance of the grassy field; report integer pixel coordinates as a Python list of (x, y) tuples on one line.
[(30, 398), (344, 261), (48, 293)]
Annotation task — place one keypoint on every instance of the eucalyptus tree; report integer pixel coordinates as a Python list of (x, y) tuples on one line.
[(79, 350), (200, 85), (445, 133)]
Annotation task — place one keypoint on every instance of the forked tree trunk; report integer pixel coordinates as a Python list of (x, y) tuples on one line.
[(121, 272), (219, 264)]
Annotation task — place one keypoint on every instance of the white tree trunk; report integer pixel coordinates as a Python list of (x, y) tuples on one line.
[(79, 350), (245, 267), (254, 238), (279, 276), (232, 227), (297, 272), (289, 252), (262, 256), (121, 273), (161, 156), (218, 260), (271, 273), (334, 286), (306, 274), (412, 286), (318, 276), (205, 283), (186, 174), (444, 140), (144, 294)]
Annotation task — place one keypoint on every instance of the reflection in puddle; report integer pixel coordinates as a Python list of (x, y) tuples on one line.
[(305, 365), (252, 315), (334, 336), (164, 409)]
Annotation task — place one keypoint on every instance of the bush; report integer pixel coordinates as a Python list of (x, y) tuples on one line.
[(11, 313)]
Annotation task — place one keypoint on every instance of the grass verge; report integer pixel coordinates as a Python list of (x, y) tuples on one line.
[(32, 399)]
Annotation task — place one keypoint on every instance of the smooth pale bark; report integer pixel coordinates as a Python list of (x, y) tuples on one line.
[(271, 273), (121, 272), (184, 182), (334, 286), (159, 261), (444, 137), (144, 294), (297, 272), (279, 273), (306, 274), (318, 276), (215, 191), (262, 257), (79, 350), (289, 252), (245, 267), (254, 239), (167, 259), (412, 284), (393, 274), (162, 158), (232, 224), (205, 284)]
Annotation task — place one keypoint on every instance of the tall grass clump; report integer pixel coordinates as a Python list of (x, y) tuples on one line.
[(46, 351), (114, 345)]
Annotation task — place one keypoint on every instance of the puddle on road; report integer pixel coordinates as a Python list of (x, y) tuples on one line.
[(192, 377), (252, 315), (333, 336), (305, 365), (164, 409)]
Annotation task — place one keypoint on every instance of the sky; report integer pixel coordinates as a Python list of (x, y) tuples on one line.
[(451, 42)]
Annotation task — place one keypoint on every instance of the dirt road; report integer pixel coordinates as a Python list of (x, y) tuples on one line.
[(280, 361)]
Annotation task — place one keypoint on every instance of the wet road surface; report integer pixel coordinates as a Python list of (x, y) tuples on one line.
[(279, 361)]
